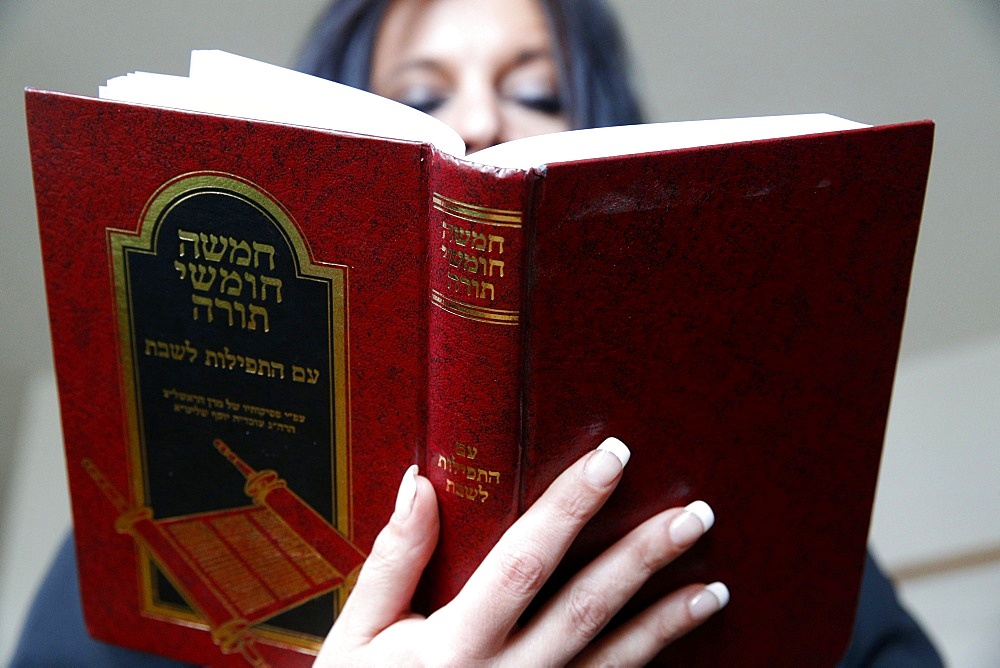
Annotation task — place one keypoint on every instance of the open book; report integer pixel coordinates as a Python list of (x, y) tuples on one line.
[(231, 85), (316, 278)]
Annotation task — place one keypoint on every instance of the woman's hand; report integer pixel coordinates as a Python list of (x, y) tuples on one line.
[(479, 626)]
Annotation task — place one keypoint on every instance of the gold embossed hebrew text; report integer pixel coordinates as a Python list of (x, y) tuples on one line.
[(466, 478), (227, 280), (224, 409), (475, 270), (227, 360)]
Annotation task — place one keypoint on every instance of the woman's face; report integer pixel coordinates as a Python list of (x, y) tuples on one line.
[(484, 67)]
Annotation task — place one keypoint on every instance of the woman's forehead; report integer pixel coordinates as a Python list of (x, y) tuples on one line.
[(483, 30)]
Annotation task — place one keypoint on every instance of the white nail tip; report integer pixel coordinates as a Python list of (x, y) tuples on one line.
[(617, 448), (407, 491), (720, 592), (410, 480), (703, 511)]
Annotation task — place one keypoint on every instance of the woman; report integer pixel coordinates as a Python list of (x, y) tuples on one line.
[(490, 69), (493, 70), (591, 85), (497, 70)]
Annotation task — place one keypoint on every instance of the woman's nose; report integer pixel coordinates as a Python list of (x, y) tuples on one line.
[(475, 113)]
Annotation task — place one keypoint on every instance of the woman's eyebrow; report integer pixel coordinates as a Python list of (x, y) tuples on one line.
[(432, 65), (526, 58), (419, 64), (530, 55)]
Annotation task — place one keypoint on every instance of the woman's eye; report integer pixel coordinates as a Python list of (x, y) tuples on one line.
[(547, 104), (427, 101)]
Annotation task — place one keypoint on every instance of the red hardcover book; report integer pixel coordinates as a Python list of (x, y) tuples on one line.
[(258, 325)]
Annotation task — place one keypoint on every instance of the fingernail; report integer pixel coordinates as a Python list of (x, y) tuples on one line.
[(607, 462), (406, 494), (709, 601), (690, 525)]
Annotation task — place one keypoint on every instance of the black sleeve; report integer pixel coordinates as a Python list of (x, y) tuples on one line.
[(885, 635)]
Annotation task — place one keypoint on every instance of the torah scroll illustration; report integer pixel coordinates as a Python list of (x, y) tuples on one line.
[(241, 566)]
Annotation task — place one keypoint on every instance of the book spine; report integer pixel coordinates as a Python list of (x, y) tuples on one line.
[(475, 289)]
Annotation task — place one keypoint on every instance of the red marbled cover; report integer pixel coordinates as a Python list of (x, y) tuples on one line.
[(732, 313), (477, 223), (359, 203)]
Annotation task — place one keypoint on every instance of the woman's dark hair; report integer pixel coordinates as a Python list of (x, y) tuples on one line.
[(593, 66)]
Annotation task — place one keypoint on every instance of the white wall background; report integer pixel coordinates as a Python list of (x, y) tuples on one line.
[(876, 62)]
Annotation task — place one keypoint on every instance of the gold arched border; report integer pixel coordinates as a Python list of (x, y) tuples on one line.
[(145, 240)]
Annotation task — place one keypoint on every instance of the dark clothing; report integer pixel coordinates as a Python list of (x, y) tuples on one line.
[(54, 633), (884, 633)]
